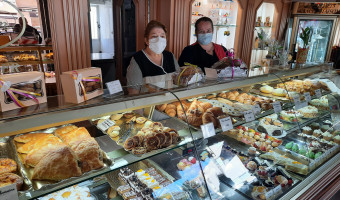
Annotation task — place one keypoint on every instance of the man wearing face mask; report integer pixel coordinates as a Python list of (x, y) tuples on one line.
[(152, 65), (203, 53)]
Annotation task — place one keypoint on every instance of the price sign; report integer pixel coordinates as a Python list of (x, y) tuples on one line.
[(208, 130), (256, 109), (249, 116), (106, 124), (277, 190), (296, 99), (277, 107), (269, 195), (318, 93), (308, 98), (9, 192), (114, 87), (301, 104), (226, 124)]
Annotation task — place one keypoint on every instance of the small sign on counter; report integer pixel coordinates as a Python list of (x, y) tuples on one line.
[(308, 98), (106, 124), (277, 107), (256, 109), (226, 124), (318, 93), (249, 116), (114, 87), (208, 130)]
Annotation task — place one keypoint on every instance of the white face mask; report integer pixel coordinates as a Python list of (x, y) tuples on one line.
[(157, 45)]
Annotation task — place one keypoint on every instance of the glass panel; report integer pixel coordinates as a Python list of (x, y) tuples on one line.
[(318, 44)]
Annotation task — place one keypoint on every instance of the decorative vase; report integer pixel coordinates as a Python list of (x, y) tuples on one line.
[(302, 55)]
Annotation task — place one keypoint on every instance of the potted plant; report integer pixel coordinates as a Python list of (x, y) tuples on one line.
[(302, 53)]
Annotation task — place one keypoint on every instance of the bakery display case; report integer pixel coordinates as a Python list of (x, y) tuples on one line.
[(262, 137), (17, 59)]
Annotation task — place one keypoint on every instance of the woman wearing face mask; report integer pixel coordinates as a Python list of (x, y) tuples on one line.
[(203, 53), (152, 65)]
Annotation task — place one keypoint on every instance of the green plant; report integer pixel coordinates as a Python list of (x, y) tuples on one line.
[(305, 35)]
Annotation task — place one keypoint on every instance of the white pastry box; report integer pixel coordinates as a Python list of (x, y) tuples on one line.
[(21, 90), (82, 84)]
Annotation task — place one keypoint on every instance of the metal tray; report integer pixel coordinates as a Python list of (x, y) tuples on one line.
[(124, 128), (27, 171), (7, 151)]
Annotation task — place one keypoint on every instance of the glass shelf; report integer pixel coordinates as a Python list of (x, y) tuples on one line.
[(218, 25), (263, 27)]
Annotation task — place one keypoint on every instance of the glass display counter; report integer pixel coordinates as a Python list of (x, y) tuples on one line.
[(264, 137)]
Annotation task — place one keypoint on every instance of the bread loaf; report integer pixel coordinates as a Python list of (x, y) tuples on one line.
[(85, 147), (58, 164), (28, 137), (63, 130)]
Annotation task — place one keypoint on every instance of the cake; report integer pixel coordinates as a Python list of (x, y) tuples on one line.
[(317, 133), (251, 165), (309, 112), (303, 151), (315, 125), (321, 104), (295, 148), (279, 92), (327, 122), (267, 89), (337, 139), (290, 116), (327, 136), (270, 126), (289, 145), (317, 155), (325, 128), (307, 130)]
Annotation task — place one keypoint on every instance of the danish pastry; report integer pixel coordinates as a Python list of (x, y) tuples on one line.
[(7, 165), (9, 179)]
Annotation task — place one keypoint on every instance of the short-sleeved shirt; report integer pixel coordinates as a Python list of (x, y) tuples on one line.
[(196, 55), (141, 68)]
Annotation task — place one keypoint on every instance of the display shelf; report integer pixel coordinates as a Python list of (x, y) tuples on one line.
[(221, 25), (56, 112), (28, 62)]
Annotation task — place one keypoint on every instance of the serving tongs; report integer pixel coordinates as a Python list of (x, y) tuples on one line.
[(127, 133)]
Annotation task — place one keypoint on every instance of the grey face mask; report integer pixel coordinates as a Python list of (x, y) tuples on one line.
[(205, 38)]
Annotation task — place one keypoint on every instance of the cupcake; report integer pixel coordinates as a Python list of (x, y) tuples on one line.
[(295, 148), (327, 122), (307, 130), (289, 145), (325, 128), (327, 136), (315, 125), (317, 155), (337, 139), (317, 133)]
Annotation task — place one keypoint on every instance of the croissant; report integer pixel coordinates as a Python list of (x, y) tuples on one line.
[(170, 106), (180, 112), (206, 106), (208, 117), (232, 97), (162, 107), (171, 112), (240, 99), (236, 93)]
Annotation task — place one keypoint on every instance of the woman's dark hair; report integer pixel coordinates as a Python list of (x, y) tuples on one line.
[(151, 25), (203, 19)]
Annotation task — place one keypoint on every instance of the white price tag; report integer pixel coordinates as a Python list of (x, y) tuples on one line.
[(106, 124), (114, 87), (269, 195), (226, 124), (249, 116), (277, 107), (300, 105), (256, 109), (318, 93), (308, 98), (277, 190), (296, 99), (208, 130), (9, 192)]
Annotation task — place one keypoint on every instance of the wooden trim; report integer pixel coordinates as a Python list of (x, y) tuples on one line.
[(118, 38)]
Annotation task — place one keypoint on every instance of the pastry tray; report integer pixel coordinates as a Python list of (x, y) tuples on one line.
[(256, 90), (7, 151), (115, 182), (48, 184), (124, 128)]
